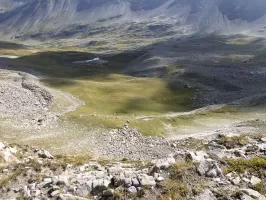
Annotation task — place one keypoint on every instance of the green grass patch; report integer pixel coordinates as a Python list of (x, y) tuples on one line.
[(256, 165), (121, 94)]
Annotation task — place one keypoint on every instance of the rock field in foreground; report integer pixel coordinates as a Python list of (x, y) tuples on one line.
[(226, 168)]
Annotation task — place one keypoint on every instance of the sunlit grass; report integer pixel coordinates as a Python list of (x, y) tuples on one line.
[(120, 94)]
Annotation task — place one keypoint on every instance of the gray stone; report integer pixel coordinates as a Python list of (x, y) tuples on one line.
[(43, 184), (63, 180), (251, 192), (262, 147), (255, 180), (206, 195), (246, 180), (95, 183), (45, 154), (128, 182), (146, 180), (236, 181), (164, 163), (70, 197), (262, 198), (160, 179), (55, 193), (245, 197), (82, 191), (35, 193), (209, 168), (48, 180), (197, 156), (132, 190), (135, 182)]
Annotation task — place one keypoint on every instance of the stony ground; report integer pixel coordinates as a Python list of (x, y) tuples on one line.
[(24, 100), (231, 168)]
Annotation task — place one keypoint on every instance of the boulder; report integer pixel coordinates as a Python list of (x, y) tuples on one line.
[(251, 192), (197, 156), (164, 163), (45, 154), (146, 180), (135, 182), (262, 147), (255, 180), (209, 168), (62, 180), (6, 154), (82, 191), (132, 190), (245, 197)]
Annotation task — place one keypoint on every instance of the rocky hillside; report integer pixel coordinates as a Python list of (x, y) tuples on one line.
[(227, 167), (37, 17)]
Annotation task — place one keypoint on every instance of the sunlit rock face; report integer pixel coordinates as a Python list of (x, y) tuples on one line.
[(200, 16)]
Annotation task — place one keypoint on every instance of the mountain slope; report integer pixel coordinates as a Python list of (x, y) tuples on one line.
[(21, 17)]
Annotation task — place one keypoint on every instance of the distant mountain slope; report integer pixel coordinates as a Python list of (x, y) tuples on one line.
[(21, 17)]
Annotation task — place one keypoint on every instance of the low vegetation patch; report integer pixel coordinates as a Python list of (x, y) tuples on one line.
[(256, 165), (233, 142), (177, 170), (74, 160), (176, 187), (4, 181), (261, 188)]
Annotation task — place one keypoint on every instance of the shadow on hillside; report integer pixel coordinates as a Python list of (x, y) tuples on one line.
[(60, 64), (11, 46), (62, 72)]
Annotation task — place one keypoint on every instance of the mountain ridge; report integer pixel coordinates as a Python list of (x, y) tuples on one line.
[(22, 17)]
